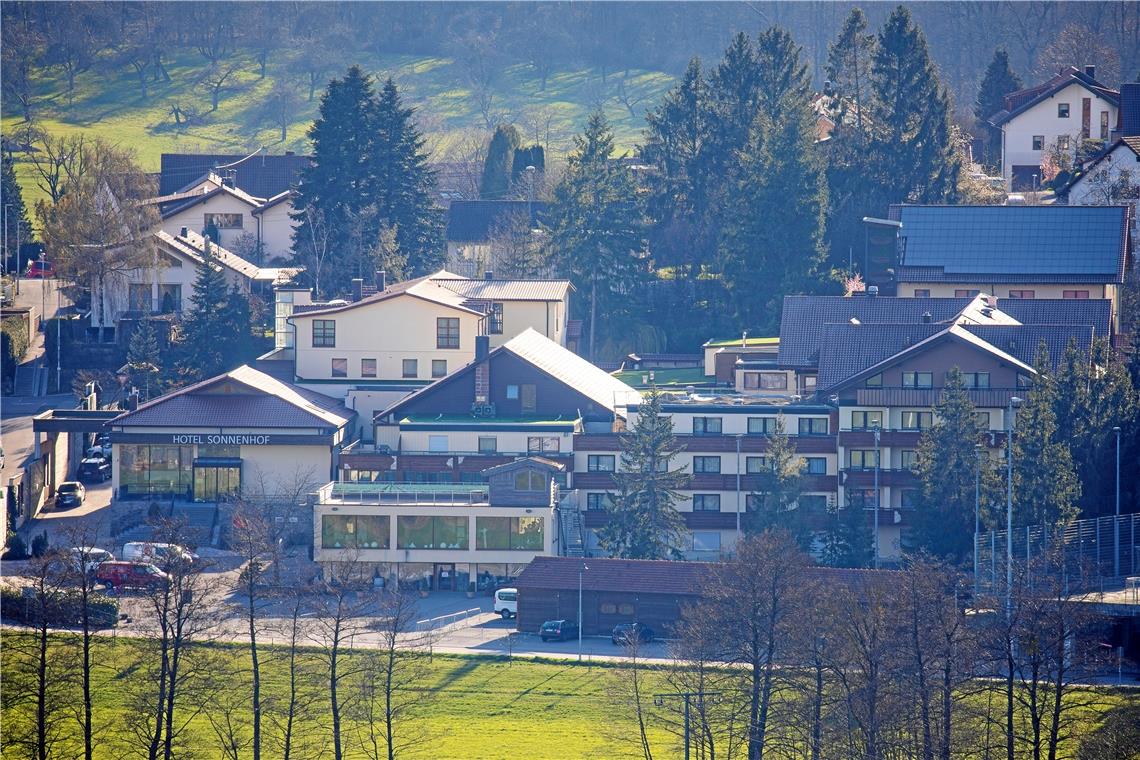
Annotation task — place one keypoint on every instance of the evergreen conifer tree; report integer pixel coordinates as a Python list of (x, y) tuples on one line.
[(849, 61), (998, 81), (644, 522), (847, 540), (15, 212), (596, 229), (206, 332), (773, 505), (144, 358), (496, 181)]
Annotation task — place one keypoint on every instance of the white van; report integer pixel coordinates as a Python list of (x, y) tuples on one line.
[(142, 551), (507, 602), (89, 557)]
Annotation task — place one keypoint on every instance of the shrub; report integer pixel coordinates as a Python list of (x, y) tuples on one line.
[(63, 610), (17, 549), (39, 544)]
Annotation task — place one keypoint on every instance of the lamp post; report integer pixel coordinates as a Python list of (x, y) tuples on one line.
[(1116, 520), (977, 503), (581, 569), (1014, 402), (739, 436), (876, 430)]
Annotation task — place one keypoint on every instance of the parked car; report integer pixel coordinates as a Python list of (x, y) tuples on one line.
[(40, 269), (144, 551), (119, 575), (100, 451), (94, 470), (625, 633), (558, 630), (89, 557), (507, 602), (69, 494)]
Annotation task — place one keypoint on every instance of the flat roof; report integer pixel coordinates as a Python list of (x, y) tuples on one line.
[(664, 377), (729, 342), (423, 494)]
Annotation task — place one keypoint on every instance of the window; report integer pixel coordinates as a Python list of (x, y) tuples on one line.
[(706, 426), (495, 319), (815, 465), (169, 298), (908, 458), (1104, 125), (1038, 142), (983, 419), (368, 368), (866, 420), (862, 459), (537, 444), (437, 443), (706, 502), (438, 367), (529, 480), (1024, 381), (224, 221), (706, 540), (976, 379), (138, 298), (411, 368), (512, 392), (447, 332), (922, 292), (874, 381), (509, 533), (965, 293), (488, 444), (812, 502), (596, 502), (1062, 110), (916, 420), (324, 333), (918, 379), (706, 464), (340, 367), (754, 465), (529, 398), (1021, 294), (761, 425), (1063, 142), (1082, 294), (765, 381), (813, 426), (601, 463), (423, 532), (355, 531)]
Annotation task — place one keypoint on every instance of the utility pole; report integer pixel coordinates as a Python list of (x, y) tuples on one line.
[(581, 569), (1116, 519), (659, 700), (977, 500), (876, 431), (1014, 402)]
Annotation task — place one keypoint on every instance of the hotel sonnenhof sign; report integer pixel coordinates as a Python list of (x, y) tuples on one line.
[(222, 439)]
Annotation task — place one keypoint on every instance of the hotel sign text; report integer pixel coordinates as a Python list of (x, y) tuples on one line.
[(218, 439)]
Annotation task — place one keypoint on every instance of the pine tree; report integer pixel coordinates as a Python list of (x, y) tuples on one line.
[(596, 229), (644, 522), (495, 183), (849, 61), (1045, 484), (947, 465), (144, 357), (998, 81), (238, 347), (773, 503), (773, 240), (206, 333), (911, 144), (15, 212)]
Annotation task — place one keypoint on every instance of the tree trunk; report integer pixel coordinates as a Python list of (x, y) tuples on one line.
[(947, 704), (817, 711), (41, 685), (593, 312), (164, 669), (1009, 664), (256, 669), (389, 734), (334, 700), (754, 735), (85, 631)]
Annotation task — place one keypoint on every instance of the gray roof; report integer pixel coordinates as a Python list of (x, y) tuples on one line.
[(1014, 243), (266, 403), (566, 366), (506, 290)]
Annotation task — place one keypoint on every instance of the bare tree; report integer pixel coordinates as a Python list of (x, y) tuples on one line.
[(313, 249), (281, 106), (213, 81), (628, 693), (294, 719), (252, 538)]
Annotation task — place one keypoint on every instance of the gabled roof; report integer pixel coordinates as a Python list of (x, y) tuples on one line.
[(526, 462), (260, 175), (1013, 243), (271, 202), (566, 366), (178, 207), (506, 290), (1016, 103), (422, 287), (1129, 144), (271, 404), (474, 221), (192, 246)]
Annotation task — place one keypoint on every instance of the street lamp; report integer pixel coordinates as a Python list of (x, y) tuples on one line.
[(581, 569), (1116, 520), (876, 430), (1014, 402), (977, 502), (739, 436)]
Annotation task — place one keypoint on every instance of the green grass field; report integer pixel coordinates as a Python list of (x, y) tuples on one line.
[(484, 708), (107, 102)]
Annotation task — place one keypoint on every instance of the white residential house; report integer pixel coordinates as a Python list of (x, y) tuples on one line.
[(1058, 114), (244, 222), (1111, 179)]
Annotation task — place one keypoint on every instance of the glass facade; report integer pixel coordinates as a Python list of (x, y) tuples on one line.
[(422, 532), (509, 533), (152, 470), (355, 531)]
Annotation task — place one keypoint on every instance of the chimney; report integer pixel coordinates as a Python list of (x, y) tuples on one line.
[(482, 347), (926, 317), (1130, 109), (381, 280), (133, 400), (357, 289), (1090, 70), (184, 232), (488, 275), (872, 291), (482, 372)]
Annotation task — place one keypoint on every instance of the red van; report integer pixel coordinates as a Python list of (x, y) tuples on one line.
[(40, 269), (120, 575)]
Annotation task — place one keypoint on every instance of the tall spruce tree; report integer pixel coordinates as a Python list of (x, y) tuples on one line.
[(644, 522), (847, 540), (773, 240), (596, 232), (15, 212), (947, 465), (998, 81), (206, 332), (849, 61), (911, 133), (1045, 484), (773, 503), (144, 358), (495, 183)]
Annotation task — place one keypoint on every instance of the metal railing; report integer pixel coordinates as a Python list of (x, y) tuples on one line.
[(402, 493), (431, 625)]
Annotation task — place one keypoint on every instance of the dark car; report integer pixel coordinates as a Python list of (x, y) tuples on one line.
[(94, 470), (119, 575), (69, 494), (558, 630), (626, 633)]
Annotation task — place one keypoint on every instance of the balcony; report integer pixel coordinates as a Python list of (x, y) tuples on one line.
[(983, 398), (860, 477)]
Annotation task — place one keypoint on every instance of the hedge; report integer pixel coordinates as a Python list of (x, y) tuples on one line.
[(62, 610)]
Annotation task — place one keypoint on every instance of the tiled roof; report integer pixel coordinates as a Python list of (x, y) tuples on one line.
[(848, 349), (193, 245), (473, 221), (566, 366), (623, 575), (1018, 102), (1018, 243), (420, 287), (273, 403), (1061, 311), (1022, 341), (271, 202), (259, 175), (507, 290)]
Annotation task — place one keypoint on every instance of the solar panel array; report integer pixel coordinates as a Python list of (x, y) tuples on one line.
[(1015, 239)]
